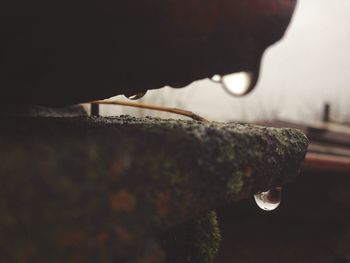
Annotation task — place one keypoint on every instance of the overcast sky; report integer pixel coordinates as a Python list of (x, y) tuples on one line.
[(309, 67)]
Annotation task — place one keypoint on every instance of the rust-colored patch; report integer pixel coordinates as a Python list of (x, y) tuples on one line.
[(123, 234), (72, 238), (189, 197), (162, 204), (156, 257), (122, 201), (117, 168), (27, 253), (187, 206), (248, 171), (102, 238), (76, 258)]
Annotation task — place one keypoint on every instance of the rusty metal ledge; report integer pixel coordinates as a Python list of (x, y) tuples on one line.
[(102, 189)]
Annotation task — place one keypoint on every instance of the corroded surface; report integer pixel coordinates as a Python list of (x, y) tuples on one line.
[(104, 189), (76, 51)]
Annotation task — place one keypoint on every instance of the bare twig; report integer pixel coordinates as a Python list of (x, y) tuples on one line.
[(186, 113)]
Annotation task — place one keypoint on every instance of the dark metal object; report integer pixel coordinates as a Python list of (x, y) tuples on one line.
[(74, 51), (326, 112), (94, 109), (327, 163)]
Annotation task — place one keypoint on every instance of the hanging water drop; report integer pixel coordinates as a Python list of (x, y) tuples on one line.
[(269, 200), (136, 96), (216, 78), (239, 84)]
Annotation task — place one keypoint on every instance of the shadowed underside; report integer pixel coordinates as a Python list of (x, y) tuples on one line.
[(72, 51)]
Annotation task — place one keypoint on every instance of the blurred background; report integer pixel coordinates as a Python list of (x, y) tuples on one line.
[(308, 68)]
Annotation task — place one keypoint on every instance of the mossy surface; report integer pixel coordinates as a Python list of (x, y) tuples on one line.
[(196, 241), (99, 189)]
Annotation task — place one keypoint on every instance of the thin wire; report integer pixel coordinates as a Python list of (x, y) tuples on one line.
[(186, 113)]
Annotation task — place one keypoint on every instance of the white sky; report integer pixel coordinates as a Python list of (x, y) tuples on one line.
[(309, 67)]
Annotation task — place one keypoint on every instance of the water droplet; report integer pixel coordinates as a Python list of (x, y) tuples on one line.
[(136, 96), (269, 200), (216, 78), (239, 84)]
